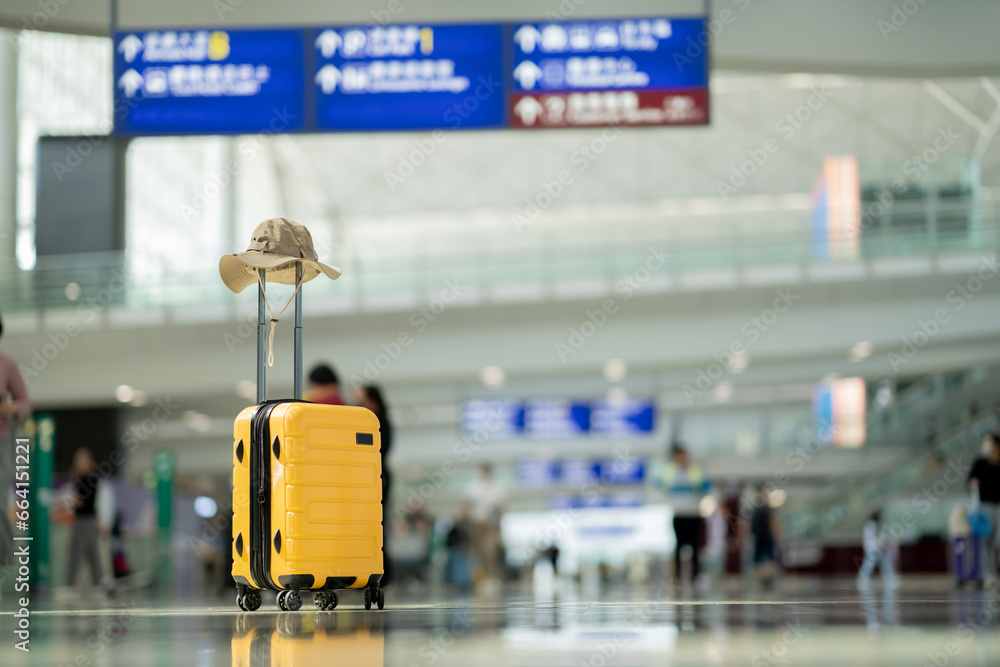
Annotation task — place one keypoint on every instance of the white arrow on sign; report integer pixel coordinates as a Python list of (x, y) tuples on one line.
[(328, 42), (529, 109), (328, 77), (528, 74), (131, 82), (130, 47), (528, 37)]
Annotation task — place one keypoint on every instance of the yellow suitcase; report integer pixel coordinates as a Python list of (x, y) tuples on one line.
[(307, 497)]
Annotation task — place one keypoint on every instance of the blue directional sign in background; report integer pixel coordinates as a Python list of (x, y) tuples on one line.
[(640, 71), (610, 72), (631, 417), (609, 55), (209, 81), (409, 77), (556, 418)]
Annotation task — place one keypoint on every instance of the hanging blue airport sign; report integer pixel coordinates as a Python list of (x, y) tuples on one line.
[(629, 417), (209, 82), (537, 474), (651, 71), (493, 418), (609, 72), (620, 471), (409, 77), (556, 418)]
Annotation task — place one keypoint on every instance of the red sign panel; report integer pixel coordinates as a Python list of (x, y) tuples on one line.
[(609, 107)]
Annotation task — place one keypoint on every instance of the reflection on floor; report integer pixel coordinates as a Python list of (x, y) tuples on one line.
[(805, 622)]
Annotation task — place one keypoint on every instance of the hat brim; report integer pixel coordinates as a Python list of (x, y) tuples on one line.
[(240, 271)]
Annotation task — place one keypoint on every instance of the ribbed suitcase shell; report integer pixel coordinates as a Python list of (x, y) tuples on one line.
[(325, 497)]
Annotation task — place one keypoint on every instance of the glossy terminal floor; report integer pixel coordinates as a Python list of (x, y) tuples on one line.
[(803, 622)]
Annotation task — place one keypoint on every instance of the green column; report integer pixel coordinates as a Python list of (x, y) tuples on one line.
[(43, 441), (163, 466)]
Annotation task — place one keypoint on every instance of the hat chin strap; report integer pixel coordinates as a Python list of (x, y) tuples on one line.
[(274, 319)]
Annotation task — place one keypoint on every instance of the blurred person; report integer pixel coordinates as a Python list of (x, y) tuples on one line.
[(119, 556), (456, 571), (765, 530), (370, 396), (486, 505), (930, 440), (413, 543), (730, 509), (14, 406), (984, 482), (684, 482), (89, 503), (545, 573), (966, 551), (324, 386), (879, 550)]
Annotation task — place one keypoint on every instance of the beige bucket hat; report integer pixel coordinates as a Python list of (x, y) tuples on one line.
[(277, 244)]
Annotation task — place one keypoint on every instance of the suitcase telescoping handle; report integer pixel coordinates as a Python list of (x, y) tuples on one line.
[(261, 335)]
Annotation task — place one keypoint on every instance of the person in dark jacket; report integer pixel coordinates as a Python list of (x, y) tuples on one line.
[(370, 396), (86, 525), (984, 482), (765, 529)]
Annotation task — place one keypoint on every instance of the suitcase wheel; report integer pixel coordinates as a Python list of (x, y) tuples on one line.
[(376, 596), (289, 600), (250, 601), (325, 600)]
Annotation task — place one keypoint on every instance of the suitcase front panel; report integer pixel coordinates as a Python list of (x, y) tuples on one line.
[(326, 497)]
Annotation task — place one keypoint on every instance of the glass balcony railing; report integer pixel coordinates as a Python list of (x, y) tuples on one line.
[(497, 257)]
